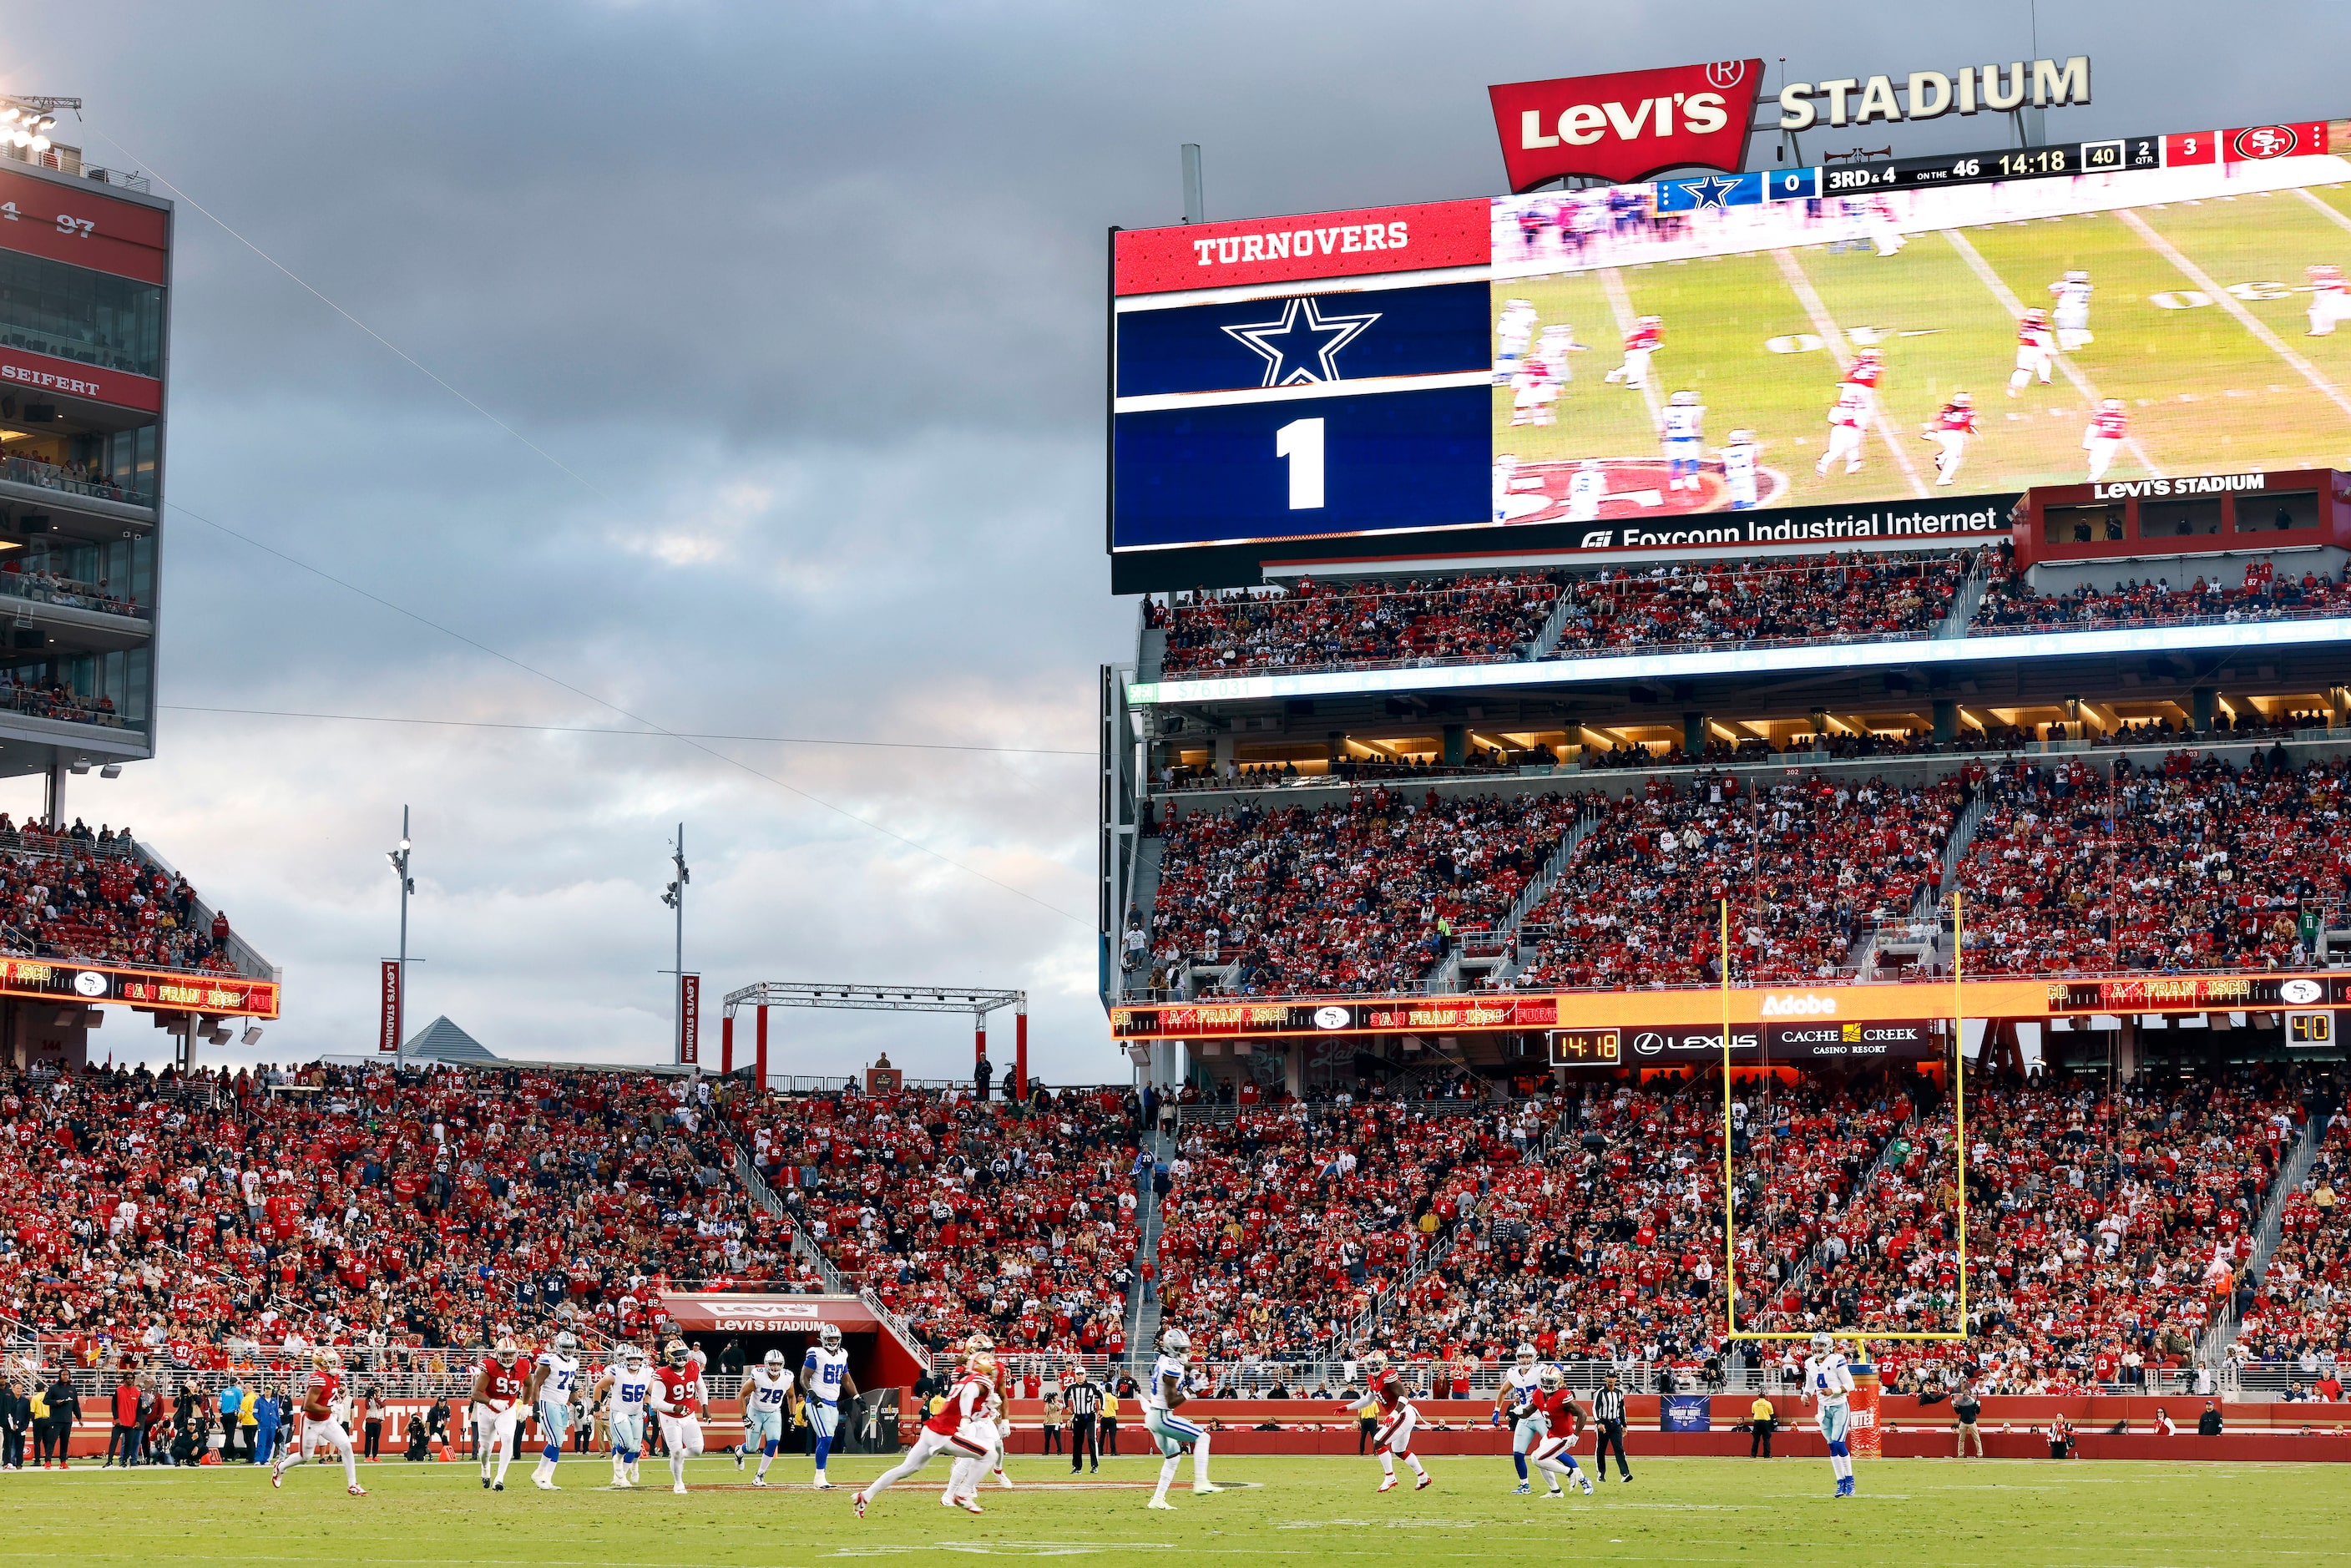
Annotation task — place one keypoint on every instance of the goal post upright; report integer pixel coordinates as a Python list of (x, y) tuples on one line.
[(1959, 1155)]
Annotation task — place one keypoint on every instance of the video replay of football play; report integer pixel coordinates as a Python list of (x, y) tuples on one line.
[(1850, 348)]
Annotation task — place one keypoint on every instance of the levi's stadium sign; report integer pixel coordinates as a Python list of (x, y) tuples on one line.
[(1627, 125)]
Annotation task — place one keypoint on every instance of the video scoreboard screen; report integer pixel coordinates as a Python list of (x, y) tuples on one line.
[(1852, 351)]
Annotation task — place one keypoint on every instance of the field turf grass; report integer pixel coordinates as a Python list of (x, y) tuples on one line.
[(2205, 392), (2000, 1515)]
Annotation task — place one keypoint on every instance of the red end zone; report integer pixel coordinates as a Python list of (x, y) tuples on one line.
[(1636, 487)]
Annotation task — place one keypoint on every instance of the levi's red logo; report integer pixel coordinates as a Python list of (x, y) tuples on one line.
[(1627, 125)]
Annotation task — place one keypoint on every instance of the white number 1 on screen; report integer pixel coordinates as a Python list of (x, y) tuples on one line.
[(1301, 441)]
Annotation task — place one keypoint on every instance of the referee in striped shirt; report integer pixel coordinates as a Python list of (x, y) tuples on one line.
[(1082, 1396), (1608, 1411)]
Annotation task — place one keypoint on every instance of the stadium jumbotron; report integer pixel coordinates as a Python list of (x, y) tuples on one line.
[(1722, 910)]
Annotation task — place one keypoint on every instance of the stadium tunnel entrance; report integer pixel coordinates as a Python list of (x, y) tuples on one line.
[(753, 1326)]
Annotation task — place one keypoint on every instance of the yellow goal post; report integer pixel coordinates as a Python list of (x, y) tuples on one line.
[(1959, 1142)]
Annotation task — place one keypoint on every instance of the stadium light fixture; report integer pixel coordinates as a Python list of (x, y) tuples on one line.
[(252, 1035), (111, 771)]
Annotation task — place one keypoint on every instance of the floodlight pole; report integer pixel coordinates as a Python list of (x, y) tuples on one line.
[(675, 899)]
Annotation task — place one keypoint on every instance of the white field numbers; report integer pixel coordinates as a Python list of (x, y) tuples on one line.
[(1300, 442)]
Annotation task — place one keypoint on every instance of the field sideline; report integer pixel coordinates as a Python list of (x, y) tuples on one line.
[(2010, 1513)]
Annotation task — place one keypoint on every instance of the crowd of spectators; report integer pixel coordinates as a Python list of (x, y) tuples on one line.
[(1350, 622), (2193, 864), (65, 473), (2301, 1314), (1836, 599), (54, 588), (92, 897), (1282, 1226), (1809, 865), (2109, 1229), (54, 699), (2010, 604), (207, 1217), (961, 1214), (1360, 896)]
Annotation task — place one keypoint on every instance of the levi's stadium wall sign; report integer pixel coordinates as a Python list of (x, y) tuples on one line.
[(1627, 125)]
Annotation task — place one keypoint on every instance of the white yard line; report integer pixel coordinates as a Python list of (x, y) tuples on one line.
[(2015, 308), (1825, 326), (2325, 211), (2236, 306), (1611, 283)]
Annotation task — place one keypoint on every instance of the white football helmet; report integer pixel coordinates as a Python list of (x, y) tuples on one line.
[(1683, 399), (633, 1358), (1175, 1343), (1822, 1343), (2112, 406), (566, 1344), (829, 1336), (1526, 1356), (774, 1360)]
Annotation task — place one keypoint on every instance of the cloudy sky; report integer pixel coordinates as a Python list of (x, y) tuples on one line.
[(758, 358)]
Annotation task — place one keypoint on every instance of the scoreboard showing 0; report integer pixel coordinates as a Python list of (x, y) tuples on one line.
[(1599, 368), (1585, 1047)]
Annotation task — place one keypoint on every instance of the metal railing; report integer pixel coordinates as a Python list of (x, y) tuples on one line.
[(49, 475), (66, 594)]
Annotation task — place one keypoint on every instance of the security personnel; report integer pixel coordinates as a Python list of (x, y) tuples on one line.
[(1084, 1396), (1762, 1421), (1608, 1412)]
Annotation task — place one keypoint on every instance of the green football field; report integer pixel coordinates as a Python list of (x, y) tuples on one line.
[(2001, 1514), (2198, 315)]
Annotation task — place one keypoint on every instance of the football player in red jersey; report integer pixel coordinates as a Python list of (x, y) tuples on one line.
[(2036, 346), (499, 1382), (2108, 428), (960, 1426), (1950, 431), (1392, 1438), (320, 1424), (679, 1398), (1562, 1422)]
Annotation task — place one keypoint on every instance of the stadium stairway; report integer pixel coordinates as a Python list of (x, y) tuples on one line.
[(1963, 604), (1142, 895), (1532, 896), (2292, 1171), (1926, 946), (1553, 627), (1143, 1310), (803, 1245), (1860, 1189)]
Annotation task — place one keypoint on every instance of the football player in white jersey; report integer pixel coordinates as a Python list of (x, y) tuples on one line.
[(1161, 1400), (767, 1403), (627, 1384), (2330, 301), (1828, 1384), (1586, 488), (1510, 334), (824, 1384), (1738, 470), (1683, 428), (2071, 315), (551, 1384), (1522, 1382)]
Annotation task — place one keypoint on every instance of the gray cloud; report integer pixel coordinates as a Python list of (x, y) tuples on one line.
[(810, 297)]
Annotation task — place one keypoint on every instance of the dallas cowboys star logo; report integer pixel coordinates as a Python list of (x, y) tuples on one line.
[(1714, 190), (1302, 345)]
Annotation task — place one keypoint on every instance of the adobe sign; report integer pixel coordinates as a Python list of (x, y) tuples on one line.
[(1627, 125)]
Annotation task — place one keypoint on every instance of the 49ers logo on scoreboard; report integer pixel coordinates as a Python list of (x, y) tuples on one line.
[(1626, 125)]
